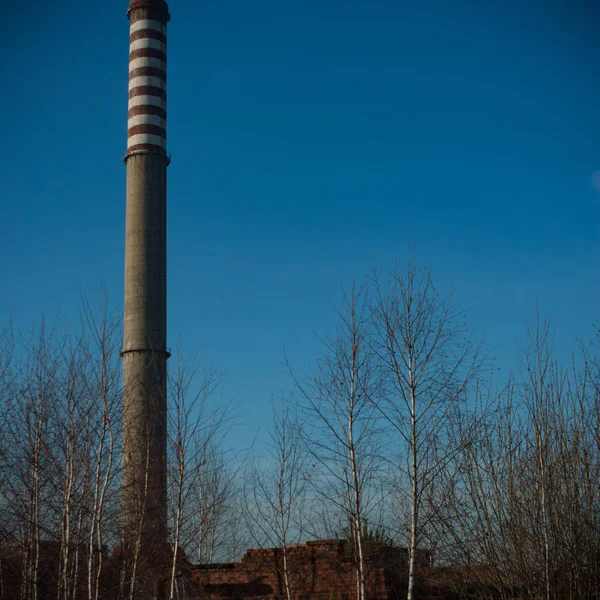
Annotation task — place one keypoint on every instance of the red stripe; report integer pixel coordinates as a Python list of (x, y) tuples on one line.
[(147, 53), (149, 72), (151, 129), (147, 90), (148, 33), (147, 109)]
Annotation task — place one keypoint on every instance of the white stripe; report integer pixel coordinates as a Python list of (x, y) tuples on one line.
[(147, 43), (146, 120), (147, 101), (146, 138), (148, 24), (147, 61), (147, 80)]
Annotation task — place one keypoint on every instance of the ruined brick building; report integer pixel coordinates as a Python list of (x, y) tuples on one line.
[(317, 570)]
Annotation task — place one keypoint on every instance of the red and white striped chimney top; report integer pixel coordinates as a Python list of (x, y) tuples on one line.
[(147, 110)]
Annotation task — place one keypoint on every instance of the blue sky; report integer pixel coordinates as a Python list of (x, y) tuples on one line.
[(309, 139)]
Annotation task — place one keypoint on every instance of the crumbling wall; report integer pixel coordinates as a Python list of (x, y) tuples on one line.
[(318, 570)]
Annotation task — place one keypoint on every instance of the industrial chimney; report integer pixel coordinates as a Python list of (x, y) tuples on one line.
[(145, 354)]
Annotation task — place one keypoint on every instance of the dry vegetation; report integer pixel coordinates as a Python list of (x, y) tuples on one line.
[(399, 434)]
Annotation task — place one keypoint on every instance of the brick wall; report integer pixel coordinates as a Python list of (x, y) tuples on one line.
[(318, 570)]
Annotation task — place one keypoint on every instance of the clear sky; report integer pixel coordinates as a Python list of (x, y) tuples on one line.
[(309, 139)]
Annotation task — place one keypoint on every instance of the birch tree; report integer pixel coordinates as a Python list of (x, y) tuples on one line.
[(103, 386), (6, 413), (430, 359), (340, 401), (55, 399), (195, 429), (275, 493), (219, 534)]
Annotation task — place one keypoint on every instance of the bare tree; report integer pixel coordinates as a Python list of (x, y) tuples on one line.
[(195, 428), (340, 400), (543, 386), (479, 506), (561, 455), (6, 412), (6, 376), (71, 468), (520, 507), (30, 436), (430, 359), (275, 493), (50, 438), (104, 387)]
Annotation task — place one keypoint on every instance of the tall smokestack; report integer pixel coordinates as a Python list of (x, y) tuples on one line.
[(144, 478)]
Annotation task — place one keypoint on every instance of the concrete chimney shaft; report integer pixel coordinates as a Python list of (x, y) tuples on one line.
[(144, 478)]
